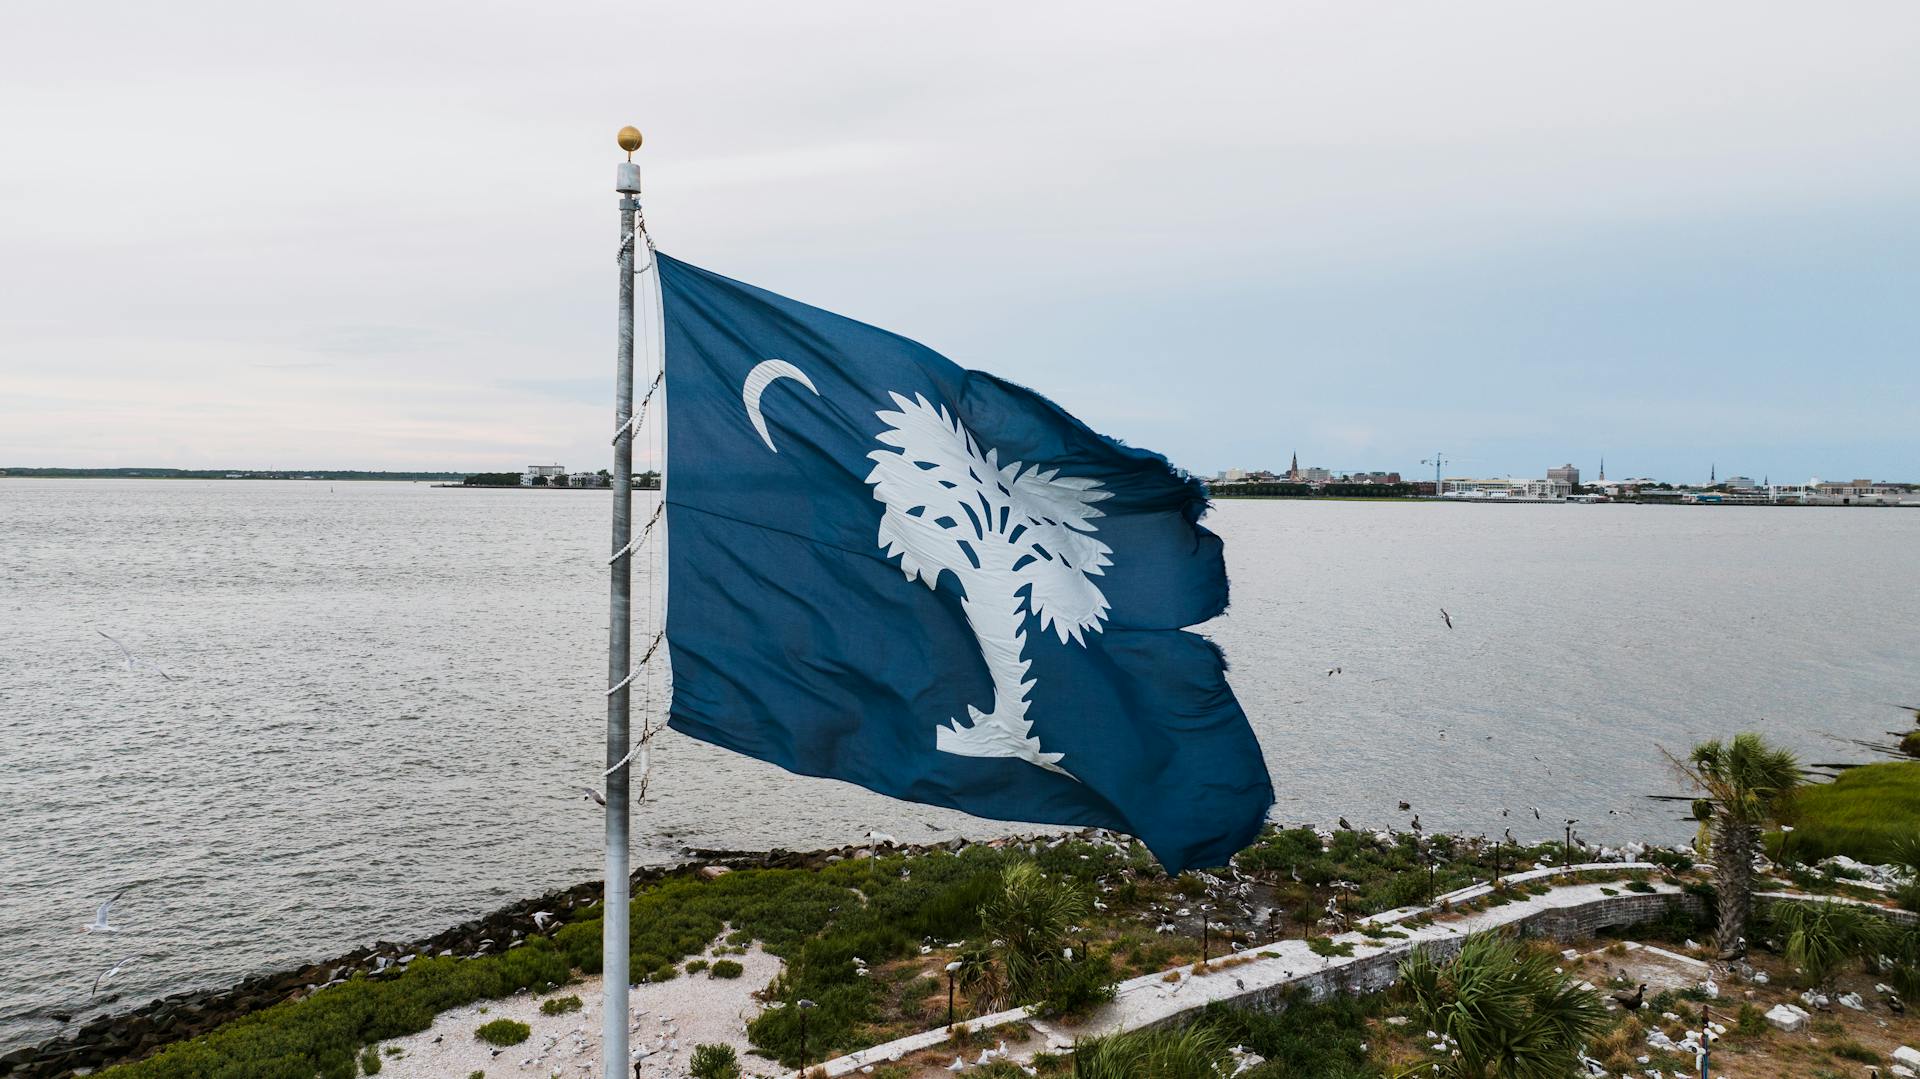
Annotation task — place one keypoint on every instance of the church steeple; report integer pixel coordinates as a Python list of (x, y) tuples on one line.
[(1294, 472), (1603, 470), (1713, 474)]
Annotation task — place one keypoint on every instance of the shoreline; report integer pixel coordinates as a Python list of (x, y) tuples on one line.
[(123, 1037), (120, 1037)]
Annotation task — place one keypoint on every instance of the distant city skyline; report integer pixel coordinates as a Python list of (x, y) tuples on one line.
[(1494, 230)]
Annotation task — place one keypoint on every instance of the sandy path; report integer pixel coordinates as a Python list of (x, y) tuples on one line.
[(668, 1018)]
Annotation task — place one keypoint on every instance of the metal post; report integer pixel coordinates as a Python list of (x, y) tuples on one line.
[(614, 910)]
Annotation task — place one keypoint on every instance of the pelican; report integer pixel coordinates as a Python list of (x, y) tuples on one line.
[(133, 662), (99, 923)]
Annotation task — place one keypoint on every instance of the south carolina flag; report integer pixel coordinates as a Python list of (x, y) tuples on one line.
[(925, 580)]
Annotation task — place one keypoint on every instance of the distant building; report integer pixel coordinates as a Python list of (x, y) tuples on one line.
[(1566, 474), (1233, 475), (1506, 490), (545, 472), (1313, 475), (1372, 477), (1739, 482), (587, 479)]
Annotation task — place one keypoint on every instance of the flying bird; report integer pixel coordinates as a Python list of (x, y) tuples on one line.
[(1536, 812), (133, 662), (1446, 617), (108, 973), (598, 798), (99, 923), (541, 918)]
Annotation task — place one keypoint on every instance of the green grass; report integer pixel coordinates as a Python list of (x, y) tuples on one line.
[(1865, 813), (503, 1032), (370, 1061), (560, 1005)]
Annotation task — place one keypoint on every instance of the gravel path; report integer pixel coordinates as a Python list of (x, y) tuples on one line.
[(669, 1019)]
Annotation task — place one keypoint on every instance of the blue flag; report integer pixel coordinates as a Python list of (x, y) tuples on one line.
[(889, 570)]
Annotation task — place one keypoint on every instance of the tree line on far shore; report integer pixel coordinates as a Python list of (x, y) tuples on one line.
[(644, 481)]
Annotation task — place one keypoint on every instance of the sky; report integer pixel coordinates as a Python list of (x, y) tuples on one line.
[(358, 235)]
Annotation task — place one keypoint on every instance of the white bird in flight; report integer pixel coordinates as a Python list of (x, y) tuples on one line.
[(589, 792), (99, 923), (134, 662), (108, 973)]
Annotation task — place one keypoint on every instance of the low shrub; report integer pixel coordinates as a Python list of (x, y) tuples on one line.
[(696, 966), (1078, 987), (1821, 939), (1852, 1050), (370, 1061), (560, 1005), (725, 968), (1330, 948), (714, 1062), (1192, 1053), (1751, 1021), (503, 1032)]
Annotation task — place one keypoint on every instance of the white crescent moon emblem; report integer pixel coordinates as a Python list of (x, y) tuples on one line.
[(758, 379)]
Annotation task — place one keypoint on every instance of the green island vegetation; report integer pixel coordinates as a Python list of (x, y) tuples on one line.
[(1057, 924), (560, 1005), (1865, 813), (714, 1062), (503, 1032)]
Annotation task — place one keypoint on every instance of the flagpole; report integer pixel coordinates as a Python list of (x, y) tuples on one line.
[(613, 920)]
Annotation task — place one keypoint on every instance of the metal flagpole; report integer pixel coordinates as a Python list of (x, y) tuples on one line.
[(613, 940)]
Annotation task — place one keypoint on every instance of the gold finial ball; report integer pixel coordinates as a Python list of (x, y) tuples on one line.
[(629, 138)]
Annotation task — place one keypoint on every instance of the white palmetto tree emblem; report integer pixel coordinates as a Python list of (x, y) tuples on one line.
[(1017, 539)]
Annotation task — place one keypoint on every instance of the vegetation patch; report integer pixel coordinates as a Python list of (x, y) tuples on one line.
[(725, 968), (1865, 813), (560, 1005), (503, 1032)]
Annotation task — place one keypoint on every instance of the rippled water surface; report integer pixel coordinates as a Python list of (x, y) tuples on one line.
[(383, 695)]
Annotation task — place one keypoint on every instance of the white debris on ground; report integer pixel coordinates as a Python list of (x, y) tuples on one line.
[(666, 1021)]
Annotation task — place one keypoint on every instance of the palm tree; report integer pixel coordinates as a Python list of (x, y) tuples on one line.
[(1028, 919), (1750, 784), (1501, 1010)]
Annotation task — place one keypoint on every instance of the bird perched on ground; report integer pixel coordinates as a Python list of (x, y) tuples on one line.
[(133, 662), (99, 923), (1344, 826), (1632, 1001), (1445, 617), (1416, 822), (597, 797), (1895, 1004)]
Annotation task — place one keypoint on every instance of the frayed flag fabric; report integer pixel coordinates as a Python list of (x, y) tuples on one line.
[(889, 570)]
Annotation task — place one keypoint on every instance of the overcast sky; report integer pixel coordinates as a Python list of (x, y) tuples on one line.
[(380, 235)]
